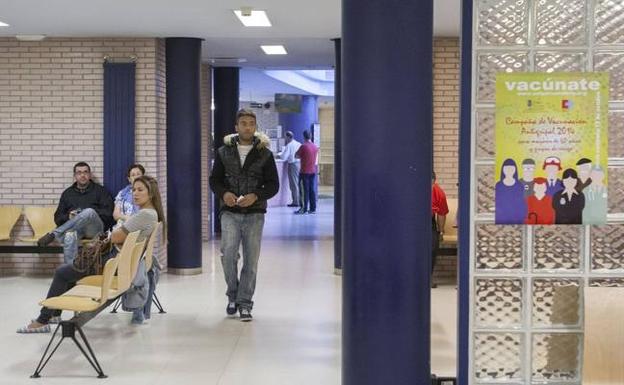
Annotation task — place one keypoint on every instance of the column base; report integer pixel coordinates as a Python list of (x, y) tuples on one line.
[(185, 271)]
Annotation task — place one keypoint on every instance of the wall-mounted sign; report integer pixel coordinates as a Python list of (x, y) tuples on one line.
[(551, 148)]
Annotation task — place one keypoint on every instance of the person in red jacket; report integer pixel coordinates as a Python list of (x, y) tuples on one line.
[(540, 210), (439, 210)]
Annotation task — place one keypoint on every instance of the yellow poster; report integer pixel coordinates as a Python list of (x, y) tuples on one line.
[(551, 148)]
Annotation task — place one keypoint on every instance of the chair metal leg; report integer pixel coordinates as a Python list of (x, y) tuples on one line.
[(116, 305), (156, 302), (68, 330), (42, 364), (95, 364)]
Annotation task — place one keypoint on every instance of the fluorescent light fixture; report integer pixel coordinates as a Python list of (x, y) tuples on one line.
[(30, 37), (274, 49), (251, 18), (3, 24)]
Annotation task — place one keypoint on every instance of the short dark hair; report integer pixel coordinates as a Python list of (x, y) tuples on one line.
[(583, 161), (306, 135), (136, 165), (569, 173), (82, 164), (289, 134), (245, 112), (433, 175)]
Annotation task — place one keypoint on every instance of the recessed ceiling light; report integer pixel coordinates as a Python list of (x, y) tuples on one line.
[(30, 37), (274, 49), (251, 18), (3, 24)]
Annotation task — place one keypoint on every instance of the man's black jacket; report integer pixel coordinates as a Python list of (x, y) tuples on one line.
[(258, 175), (94, 196)]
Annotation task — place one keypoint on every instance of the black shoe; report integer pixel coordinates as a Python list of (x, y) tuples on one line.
[(293, 205), (300, 211), (312, 212), (231, 308), (434, 286), (45, 240), (245, 315)]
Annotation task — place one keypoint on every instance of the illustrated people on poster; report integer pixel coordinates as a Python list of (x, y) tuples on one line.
[(539, 205), (528, 173), (511, 206), (595, 211), (584, 166), (552, 166), (569, 202)]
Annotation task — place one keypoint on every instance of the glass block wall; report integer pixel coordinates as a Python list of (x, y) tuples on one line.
[(527, 282)]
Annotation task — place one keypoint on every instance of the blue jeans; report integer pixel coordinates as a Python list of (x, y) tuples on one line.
[(237, 229), (86, 224), (309, 192)]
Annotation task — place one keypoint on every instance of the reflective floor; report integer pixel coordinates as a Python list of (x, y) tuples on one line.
[(294, 338)]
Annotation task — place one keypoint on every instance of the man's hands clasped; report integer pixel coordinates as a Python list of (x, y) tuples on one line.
[(246, 200)]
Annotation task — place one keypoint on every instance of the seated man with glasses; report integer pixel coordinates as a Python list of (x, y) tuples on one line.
[(85, 209)]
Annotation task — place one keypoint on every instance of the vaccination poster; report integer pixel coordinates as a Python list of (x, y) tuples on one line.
[(551, 148)]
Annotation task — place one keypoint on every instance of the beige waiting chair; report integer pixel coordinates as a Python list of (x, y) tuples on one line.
[(41, 219), (8, 217), (127, 257), (95, 280), (603, 356), (85, 307), (450, 226)]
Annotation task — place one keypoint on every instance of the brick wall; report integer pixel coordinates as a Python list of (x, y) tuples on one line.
[(446, 112), (51, 117)]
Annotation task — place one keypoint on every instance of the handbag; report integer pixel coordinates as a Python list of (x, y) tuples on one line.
[(91, 256)]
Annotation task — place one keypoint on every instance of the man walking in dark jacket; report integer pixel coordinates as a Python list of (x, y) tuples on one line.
[(85, 209), (243, 177)]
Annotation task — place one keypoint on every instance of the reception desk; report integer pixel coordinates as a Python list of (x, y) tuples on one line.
[(283, 196)]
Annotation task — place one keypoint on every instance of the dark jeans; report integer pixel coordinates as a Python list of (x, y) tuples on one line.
[(65, 277), (435, 246), (309, 191)]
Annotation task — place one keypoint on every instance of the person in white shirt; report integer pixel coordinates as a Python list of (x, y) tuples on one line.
[(288, 154)]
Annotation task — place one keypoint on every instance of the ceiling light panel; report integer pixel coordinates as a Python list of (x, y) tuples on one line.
[(2, 24), (274, 49), (253, 18)]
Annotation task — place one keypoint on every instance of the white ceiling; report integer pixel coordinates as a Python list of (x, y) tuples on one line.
[(305, 28)]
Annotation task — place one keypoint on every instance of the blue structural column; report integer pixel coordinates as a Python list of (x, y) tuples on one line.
[(465, 156), (184, 250), (226, 82), (386, 147), (298, 122), (337, 158)]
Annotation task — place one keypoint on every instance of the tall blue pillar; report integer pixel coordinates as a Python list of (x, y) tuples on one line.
[(386, 174), (184, 249), (226, 83), (465, 156), (299, 122), (337, 159)]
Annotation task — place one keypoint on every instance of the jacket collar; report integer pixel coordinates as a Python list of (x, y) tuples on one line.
[(260, 140)]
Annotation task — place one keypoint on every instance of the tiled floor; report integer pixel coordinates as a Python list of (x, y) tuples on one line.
[(294, 338)]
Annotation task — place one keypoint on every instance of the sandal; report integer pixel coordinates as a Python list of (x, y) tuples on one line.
[(29, 330)]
